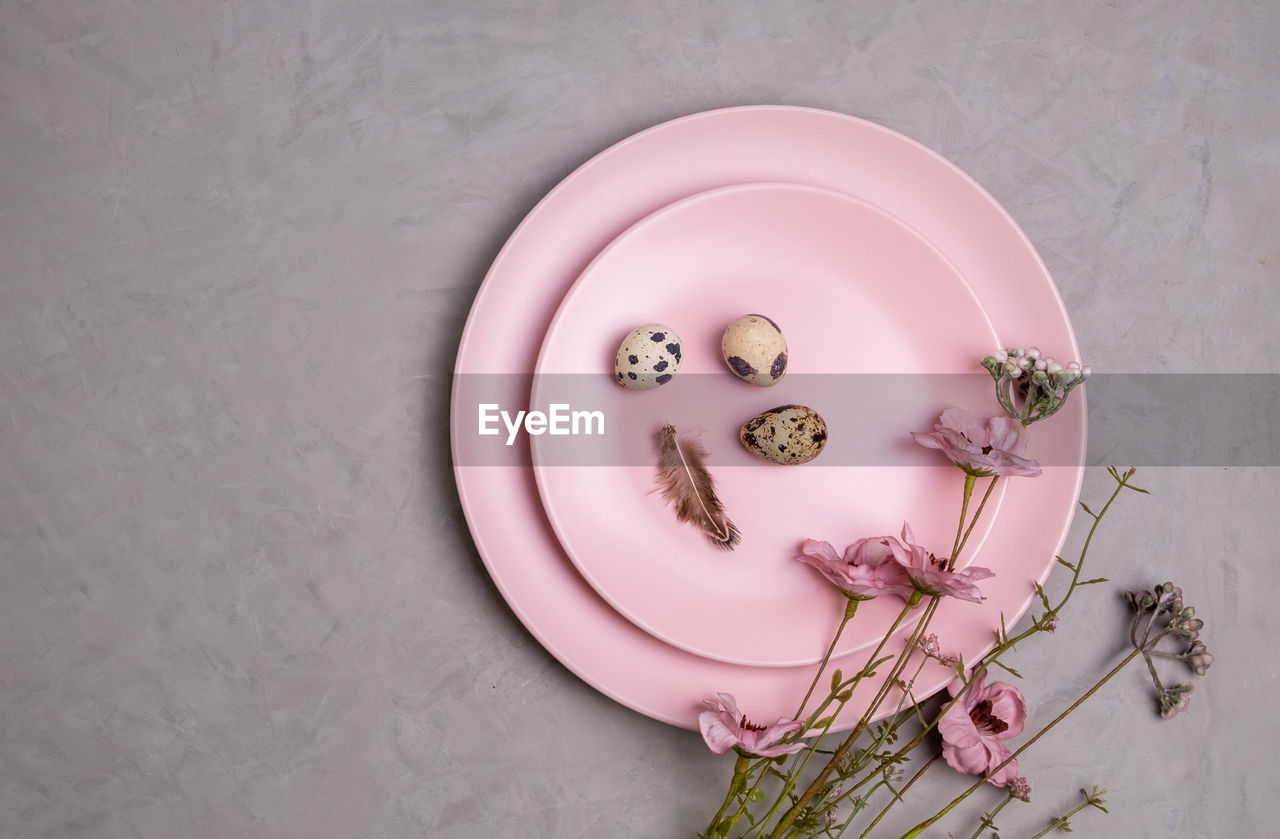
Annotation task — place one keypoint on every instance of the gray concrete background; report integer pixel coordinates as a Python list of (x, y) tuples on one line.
[(238, 242)]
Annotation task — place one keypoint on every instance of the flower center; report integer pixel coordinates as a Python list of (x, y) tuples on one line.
[(748, 725), (986, 450), (985, 721)]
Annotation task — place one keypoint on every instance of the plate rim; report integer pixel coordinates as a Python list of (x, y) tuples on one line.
[(464, 473)]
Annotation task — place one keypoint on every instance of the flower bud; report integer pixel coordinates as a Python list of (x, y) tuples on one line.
[(1141, 601), (1201, 661)]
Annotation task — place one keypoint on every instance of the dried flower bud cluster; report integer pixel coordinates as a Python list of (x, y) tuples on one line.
[(932, 648), (1031, 386), (1020, 789), (1161, 614), (1198, 657), (1174, 699)]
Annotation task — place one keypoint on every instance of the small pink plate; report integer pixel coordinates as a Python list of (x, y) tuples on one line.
[(855, 291)]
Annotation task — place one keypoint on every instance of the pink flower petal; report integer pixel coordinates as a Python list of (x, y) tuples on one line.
[(821, 551), (723, 727), (1009, 706), (717, 735), (971, 760), (957, 729), (970, 740), (965, 423), (996, 447), (997, 754)]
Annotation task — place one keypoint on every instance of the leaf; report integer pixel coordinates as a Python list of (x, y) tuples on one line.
[(870, 669), (1093, 581), (1064, 562), (997, 663), (1123, 480), (1044, 598), (1085, 507)]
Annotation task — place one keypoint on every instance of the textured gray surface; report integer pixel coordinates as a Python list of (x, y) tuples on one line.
[(238, 242)]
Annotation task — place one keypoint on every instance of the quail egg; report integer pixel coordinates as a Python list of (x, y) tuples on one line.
[(648, 357), (787, 434), (755, 350)]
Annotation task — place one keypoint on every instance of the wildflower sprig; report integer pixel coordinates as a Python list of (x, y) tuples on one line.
[(1031, 386), (1092, 798), (1159, 615), (788, 783)]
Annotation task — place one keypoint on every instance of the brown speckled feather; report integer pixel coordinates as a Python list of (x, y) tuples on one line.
[(687, 484)]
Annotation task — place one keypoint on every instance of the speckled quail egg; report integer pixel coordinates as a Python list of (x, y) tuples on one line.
[(787, 434), (648, 357), (755, 350)]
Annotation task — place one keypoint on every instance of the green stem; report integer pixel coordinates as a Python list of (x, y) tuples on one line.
[(988, 820), (735, 787), (1060, 822), (924, 825), (978, 514), (969, 481), (899, 666), (1000, 649), (877, 743), (898, 795), (842, 751), (850, 609)]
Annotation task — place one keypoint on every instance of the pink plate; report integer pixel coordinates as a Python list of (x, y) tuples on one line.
[(605, 196), (856, 291)]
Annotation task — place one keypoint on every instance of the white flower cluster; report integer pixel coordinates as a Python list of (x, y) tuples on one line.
[(1040, 382), (1042, 369)]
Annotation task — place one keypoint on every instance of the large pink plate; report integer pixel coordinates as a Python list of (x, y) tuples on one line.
[(856, 291), (589, 209)]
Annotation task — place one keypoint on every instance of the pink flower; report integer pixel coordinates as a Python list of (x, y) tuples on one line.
[(929, 574), (868, 568), (724, 727), (973, 727), (997, 448)]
